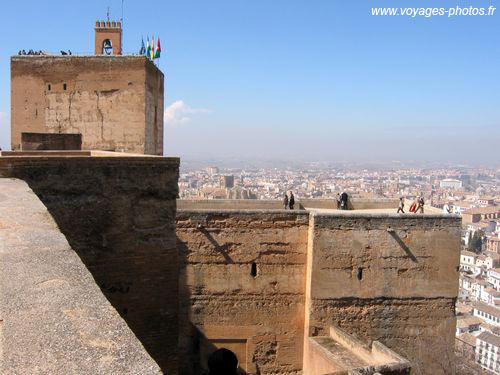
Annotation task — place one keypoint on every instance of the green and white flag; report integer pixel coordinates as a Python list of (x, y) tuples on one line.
[(148, 49)]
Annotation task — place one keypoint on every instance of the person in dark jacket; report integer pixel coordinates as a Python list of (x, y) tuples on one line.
[(285, 201), (343, 200), (222, 362), (291, 201)]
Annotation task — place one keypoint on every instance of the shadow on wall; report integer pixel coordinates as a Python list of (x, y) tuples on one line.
[(195, 347), (216, 245), (190, 340), (403, 246), (207, 348)]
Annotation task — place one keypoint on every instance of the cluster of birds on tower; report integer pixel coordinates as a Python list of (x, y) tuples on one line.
[(31, 52), (22, 52)]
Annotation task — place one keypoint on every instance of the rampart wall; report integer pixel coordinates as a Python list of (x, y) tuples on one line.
[(386, 277), (118, 214), (301, 204), (259, 282), (257, 313), (53, 317)]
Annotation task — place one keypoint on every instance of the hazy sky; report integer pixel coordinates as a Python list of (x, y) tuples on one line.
[(304, 79)]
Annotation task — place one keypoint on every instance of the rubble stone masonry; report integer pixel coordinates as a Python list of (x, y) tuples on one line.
[(261, 281), (115, 102), (242, 279), (118, 214), (388, 278)]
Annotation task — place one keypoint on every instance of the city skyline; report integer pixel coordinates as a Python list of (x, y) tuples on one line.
[(289, 80)]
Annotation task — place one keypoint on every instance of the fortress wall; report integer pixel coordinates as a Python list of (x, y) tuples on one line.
[(118, 214), (53, 317), (109, 100), (221, 304), (353, 203), (228, 204), (249, 204), (397, 286)]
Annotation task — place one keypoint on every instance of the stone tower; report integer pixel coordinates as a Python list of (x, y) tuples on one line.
[(108, 38), (115, 102)]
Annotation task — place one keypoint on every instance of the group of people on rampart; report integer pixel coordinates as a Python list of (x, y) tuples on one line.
[(342, 199), (416, 206), (289, 202)]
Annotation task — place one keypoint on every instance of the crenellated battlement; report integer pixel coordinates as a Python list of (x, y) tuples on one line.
[(108, 24)]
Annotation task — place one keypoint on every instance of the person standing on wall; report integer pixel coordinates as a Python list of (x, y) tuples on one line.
[(413, 206), (338, 201), (285, 201), (291, 201), (401, 206), (343, 200), (420, 205)]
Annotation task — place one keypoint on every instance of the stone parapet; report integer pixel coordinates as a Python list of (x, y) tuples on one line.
[(118, 214), (54, 319)]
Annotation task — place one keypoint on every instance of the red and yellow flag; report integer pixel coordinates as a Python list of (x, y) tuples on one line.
[(158, 49), (153, 49)]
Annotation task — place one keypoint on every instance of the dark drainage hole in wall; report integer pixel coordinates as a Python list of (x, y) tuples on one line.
[(360, 273), (253, 270)]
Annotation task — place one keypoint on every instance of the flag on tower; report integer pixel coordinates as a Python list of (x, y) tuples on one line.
[(143, 48), (158, 49), (148, 49), (153, 48)]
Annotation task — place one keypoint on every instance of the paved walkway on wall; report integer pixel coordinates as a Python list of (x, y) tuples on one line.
[(384, 211), (53, 317)]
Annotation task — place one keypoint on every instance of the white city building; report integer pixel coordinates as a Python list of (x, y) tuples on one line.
[(494, 277), (468, 262), (487, 313), (474, 286), (488, 351), (492, 259), (450, 183)]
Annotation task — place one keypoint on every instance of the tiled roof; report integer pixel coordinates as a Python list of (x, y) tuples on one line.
[(489, 338), (483, 210), (487, 309)]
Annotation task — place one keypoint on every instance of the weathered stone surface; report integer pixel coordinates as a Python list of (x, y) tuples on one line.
[(382, 277), (118, 214), (48, 141), (115, 102), (259, 282), (341, 353), (220, 299), (388, 278), (301, 204), (53, 317)]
